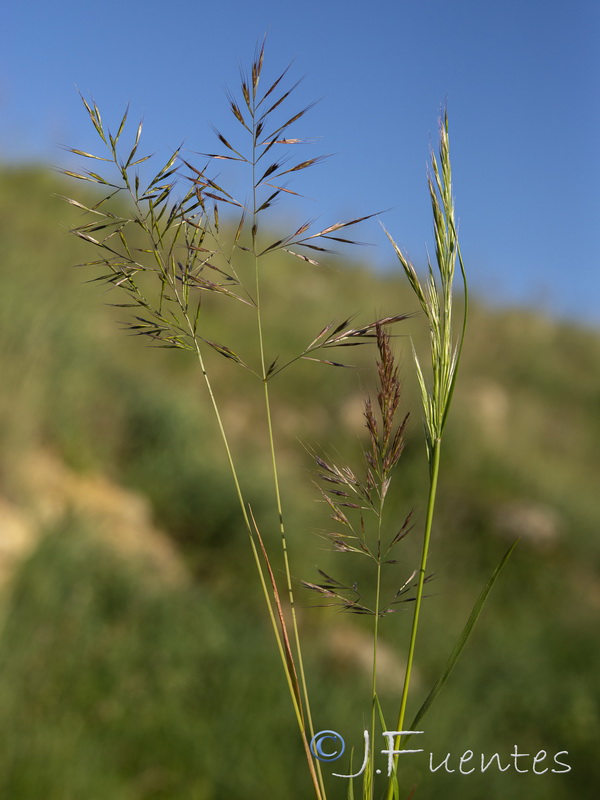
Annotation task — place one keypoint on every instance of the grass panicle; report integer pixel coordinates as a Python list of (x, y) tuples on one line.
[(162, 243), (182, 242)]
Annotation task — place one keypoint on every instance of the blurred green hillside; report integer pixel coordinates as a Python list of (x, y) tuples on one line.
[(135, 658)]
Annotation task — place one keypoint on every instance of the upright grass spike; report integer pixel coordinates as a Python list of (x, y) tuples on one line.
[(436, 300)]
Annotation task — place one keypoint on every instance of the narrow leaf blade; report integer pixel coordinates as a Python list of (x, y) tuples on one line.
[(462, 640)]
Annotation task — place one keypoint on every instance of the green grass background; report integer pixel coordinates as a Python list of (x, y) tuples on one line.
[(116, 685)]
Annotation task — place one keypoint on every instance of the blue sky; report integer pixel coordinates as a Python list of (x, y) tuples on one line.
[(521, 79)]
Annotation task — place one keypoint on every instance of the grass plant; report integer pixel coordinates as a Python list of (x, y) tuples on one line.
[(182, 246)]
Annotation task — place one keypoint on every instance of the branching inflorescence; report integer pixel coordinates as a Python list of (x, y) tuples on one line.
[(170, 250)]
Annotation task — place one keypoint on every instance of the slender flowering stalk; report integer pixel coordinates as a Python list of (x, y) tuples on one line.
[(357, 505), (169, 253), (436, 300)]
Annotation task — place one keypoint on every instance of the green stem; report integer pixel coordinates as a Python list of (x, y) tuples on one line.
[(316, 775), (242, 503), (368, 793), (319, 786), (371, 788), (434, 471)]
